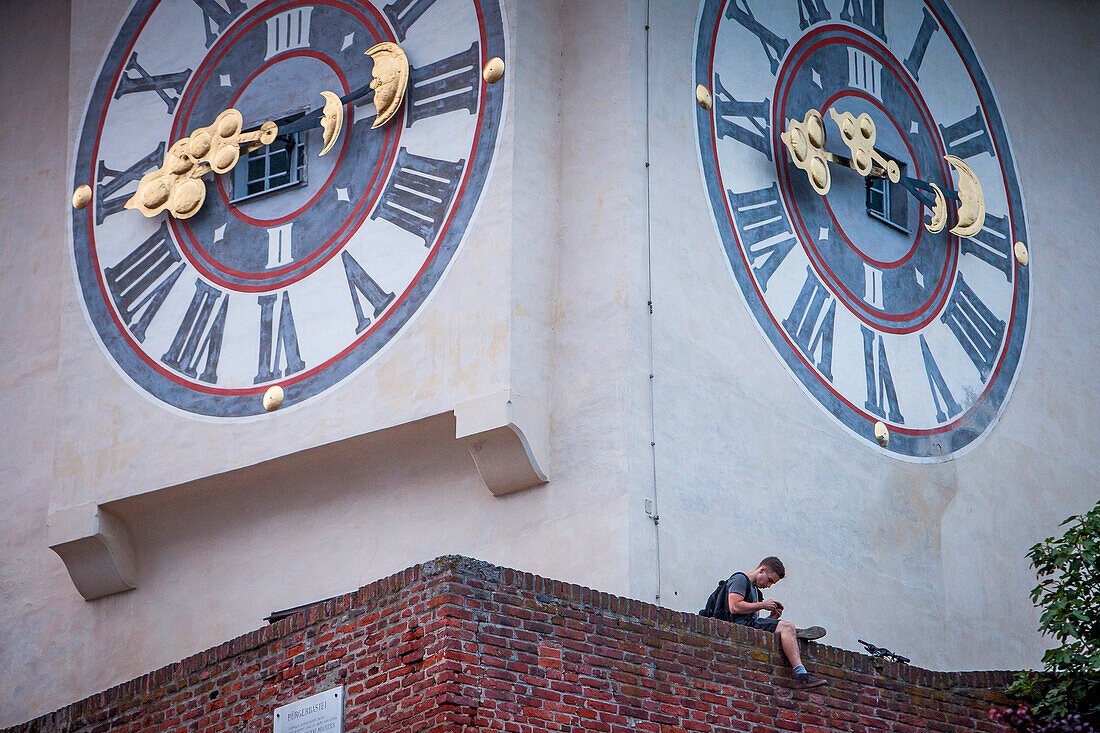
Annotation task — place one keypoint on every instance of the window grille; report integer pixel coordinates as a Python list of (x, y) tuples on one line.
[(888, 201), (269, 168)]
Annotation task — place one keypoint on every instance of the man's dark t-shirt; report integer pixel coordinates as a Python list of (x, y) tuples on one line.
[(739, 583)]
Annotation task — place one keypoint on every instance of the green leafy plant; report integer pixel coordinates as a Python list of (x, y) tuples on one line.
[(1068, 569)]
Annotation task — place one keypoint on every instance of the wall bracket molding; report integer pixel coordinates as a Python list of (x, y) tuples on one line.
[(502, 432), (96, 549)]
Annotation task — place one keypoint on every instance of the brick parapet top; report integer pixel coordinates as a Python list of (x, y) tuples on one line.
[(666, 618), (477, 574)]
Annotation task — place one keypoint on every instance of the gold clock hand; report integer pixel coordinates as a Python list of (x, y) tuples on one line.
[(859, 135), (177, 186), (332, 120), (971, 199), (390, 77), (805, 141)]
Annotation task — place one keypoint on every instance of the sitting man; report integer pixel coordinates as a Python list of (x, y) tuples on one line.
[(745, 600)]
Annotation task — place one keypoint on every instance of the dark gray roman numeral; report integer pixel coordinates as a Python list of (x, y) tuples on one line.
[(109, 181), (137, 79), (216, 17), (764, 229), (868, 14), (138, 283), (812, 11), (450, 84), (418, 193), (774, 46), (756, 113), (403, 13), (993, 245), (938, 386), (812, 332), (880, 385), (968, 137), (974, 325), (920, 45), (360, 282), (283, 348), (194, 341)]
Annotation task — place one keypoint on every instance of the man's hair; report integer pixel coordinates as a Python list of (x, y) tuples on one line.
[(775, 565)]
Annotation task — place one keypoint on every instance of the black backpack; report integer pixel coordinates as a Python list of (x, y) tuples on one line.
[(718, 605)]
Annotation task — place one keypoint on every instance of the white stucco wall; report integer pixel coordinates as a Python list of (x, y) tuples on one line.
[(927, 559), (32, 280)]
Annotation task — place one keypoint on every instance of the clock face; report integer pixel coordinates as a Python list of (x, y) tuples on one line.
[(878, 317), (298, 267)]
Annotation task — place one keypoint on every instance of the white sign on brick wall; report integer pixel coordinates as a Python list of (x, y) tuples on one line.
[(320, 713)]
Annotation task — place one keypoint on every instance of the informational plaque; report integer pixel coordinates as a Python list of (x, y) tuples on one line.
[(320, 713)]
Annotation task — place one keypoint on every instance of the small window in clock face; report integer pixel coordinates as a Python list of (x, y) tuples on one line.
[(274, 167), (888, 202)]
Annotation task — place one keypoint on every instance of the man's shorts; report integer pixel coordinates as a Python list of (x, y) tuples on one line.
[(766, 624)]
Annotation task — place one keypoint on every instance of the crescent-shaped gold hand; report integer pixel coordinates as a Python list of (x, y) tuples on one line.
[(971, 199), (939, 212), (332, 120), (391, 77)]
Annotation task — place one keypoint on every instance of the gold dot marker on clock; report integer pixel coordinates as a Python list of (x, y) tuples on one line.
[(882, 434), (493, 70), (273, 398), (1020, 250), (82, 196), (702, 96)]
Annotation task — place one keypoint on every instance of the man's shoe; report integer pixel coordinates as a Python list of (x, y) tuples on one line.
[(805, 681), (810, 634)]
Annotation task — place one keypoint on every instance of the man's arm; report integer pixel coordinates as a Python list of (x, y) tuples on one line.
[(738, 605)]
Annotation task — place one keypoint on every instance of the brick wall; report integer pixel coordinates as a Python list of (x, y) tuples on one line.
[(457, 643)]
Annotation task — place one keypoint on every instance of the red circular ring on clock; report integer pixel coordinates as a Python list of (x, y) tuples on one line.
[(854, 37)]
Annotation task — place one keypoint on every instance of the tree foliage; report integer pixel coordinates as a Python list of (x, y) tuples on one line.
[(1068, 570), (1022, 720)]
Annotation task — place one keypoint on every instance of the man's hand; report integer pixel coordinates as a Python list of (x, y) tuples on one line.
[(774, 607)]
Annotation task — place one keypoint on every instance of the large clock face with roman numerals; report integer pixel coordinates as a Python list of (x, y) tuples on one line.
[(298, 268), (876, 313)]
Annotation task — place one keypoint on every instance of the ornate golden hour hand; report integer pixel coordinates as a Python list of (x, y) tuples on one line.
[(177, 186), (859, 135), (805, 142)]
